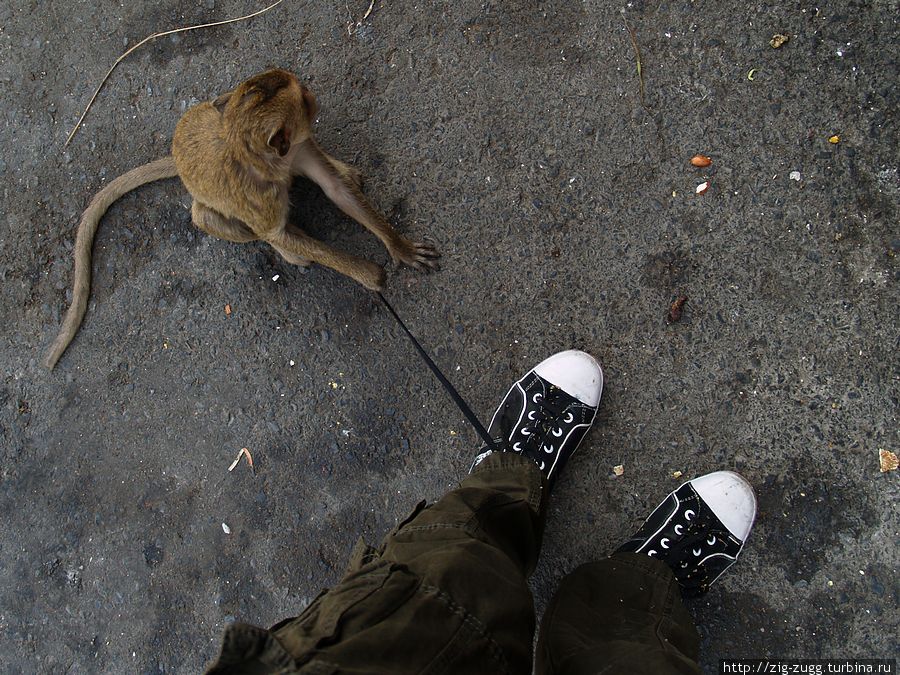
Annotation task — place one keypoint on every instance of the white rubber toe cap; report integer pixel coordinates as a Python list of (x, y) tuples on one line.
[(575, 372), (731, 498)]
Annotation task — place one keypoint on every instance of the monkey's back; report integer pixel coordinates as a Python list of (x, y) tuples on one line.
[(217, 179), (199, 151)]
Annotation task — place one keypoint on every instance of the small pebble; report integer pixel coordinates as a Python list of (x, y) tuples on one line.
[(226, 529)]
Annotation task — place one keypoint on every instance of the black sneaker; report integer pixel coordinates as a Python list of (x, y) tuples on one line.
[(699, 529), (547, 413)]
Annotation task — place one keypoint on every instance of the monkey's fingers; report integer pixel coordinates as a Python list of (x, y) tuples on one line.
[(427, 256), (421, 256), (430, 266), (421, 261), (426, 249)]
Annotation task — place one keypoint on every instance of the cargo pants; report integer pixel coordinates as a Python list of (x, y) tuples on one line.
[(447, 592)]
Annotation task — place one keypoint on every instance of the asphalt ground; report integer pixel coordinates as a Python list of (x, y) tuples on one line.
[(513, 135)]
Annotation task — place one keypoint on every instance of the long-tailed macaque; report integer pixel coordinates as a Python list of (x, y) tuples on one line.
[(237, 156)]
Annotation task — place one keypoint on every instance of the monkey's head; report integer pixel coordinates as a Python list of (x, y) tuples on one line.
[(270, 112)]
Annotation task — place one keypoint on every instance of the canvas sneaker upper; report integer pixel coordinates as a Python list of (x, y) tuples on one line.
[(546, 414), (699, 529)]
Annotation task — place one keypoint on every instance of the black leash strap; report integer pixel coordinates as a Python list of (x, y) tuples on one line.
[(457, 399)]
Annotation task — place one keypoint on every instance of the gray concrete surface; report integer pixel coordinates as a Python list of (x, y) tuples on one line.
[(512, 134)]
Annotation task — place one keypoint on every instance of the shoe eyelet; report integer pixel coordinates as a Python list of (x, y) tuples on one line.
[(679, 529), (697, 552), (517, 447), (689, 515), (554, 432), (651, 553), (568, 418), (537, 398), (531, 415), (711, 540), (549, 450), (664, 542)]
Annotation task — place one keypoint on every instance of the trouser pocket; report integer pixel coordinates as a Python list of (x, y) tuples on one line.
[(384, 619)]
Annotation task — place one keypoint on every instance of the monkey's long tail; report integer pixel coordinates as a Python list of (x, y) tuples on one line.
[(84, 241)]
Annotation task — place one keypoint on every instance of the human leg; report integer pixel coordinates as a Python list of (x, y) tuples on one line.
[(447, 590), (624, 614)]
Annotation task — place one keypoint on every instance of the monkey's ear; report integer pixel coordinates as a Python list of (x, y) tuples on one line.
[(222, 101), (280, 141), (312, 105)]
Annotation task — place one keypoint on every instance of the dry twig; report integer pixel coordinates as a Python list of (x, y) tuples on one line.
[(353, 25), (244, 451), (368, 11), (146, 40)]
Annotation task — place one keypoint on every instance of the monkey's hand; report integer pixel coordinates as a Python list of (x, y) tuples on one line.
[(420, 255), (371, 276)]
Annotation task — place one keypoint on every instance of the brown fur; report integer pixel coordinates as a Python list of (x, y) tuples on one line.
[(237, 156)]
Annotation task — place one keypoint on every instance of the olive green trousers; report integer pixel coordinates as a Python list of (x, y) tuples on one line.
[(447, 592)]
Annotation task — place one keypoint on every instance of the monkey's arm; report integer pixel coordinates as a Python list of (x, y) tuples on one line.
[(292, 243), (312, 162)]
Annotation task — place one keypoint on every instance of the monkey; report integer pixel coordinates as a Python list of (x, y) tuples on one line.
[(237, 156)]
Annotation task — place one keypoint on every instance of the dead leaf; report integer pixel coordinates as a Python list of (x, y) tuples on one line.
[(619, 470), (227, 310), (778, 40), (676, 474), (888, 460), (677, 308), (834, 140), (701, 161)]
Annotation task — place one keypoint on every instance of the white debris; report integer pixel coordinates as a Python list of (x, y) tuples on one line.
[(275, 278), (795, 175), (226, 529), (291, 362), (703, 187)]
